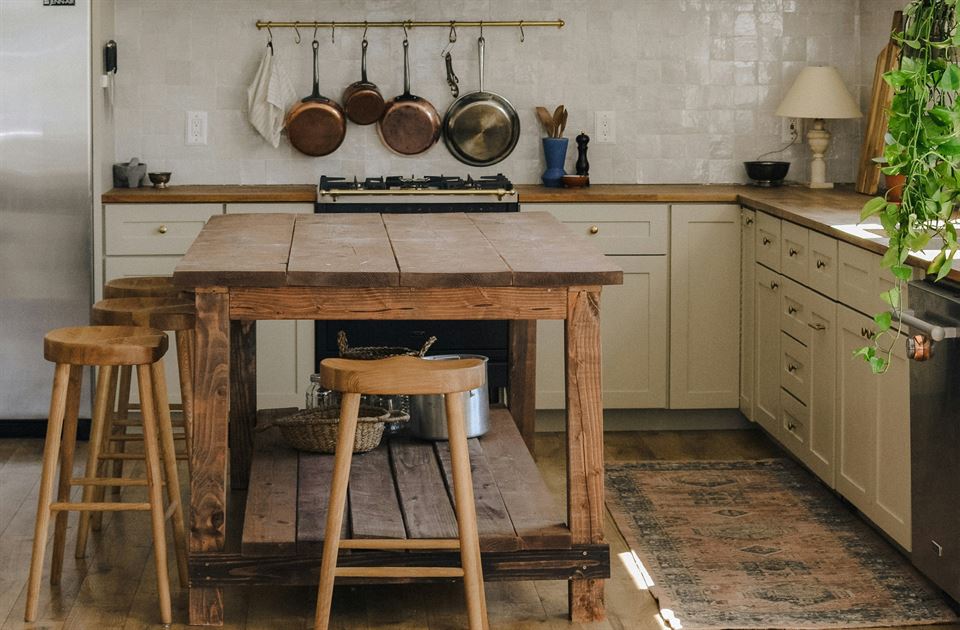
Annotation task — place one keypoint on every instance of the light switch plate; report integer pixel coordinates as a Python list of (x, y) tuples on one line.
[(606, 128)]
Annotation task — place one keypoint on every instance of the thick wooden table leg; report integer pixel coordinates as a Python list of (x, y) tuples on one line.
[(523, 377), (211, 406), (584, 441), (243, 399)]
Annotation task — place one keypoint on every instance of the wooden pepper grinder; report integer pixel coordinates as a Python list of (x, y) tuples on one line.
[(583, 166)]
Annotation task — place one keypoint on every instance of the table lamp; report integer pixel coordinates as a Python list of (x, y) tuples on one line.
[(818, 93)]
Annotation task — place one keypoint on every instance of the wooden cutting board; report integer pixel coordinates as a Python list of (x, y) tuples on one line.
[(868, 175)]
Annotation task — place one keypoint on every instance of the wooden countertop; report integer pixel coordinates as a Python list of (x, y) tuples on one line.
[(227, 193), (633, 193)]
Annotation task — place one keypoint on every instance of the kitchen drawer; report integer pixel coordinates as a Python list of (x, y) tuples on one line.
[(150, 229), (617, 228), (861, 280), (795, 368), (768, 241), (822, 264), (794, 424), (803, 312), (794, 251)]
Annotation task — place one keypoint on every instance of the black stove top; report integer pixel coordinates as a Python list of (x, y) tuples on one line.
[(427, 182)]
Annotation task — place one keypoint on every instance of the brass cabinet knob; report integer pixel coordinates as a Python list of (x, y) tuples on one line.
[(792, 310), (816, 326), (162, 229), (792, 368), (821, 264), (765, 240), (749, 221), (791, 426), (774, 286), (793, 253), (594, 229)]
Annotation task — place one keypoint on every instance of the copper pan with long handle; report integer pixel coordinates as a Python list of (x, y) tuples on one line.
[(362, 99), (316, 125), (410, 124)]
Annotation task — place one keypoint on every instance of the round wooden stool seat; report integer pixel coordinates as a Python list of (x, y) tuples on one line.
[(144, 286), (162, 313), (402, 375), (104, 345)]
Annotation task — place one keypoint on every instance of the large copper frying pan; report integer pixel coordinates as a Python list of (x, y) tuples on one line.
[(316, 125), (481, 128), (410, 124)]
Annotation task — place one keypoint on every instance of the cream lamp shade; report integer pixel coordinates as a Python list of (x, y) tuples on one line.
[(818, 93)]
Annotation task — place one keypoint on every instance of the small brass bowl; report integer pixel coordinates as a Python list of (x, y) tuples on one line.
[(159, 180)]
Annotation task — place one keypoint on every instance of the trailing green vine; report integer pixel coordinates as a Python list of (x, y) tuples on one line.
[(922, 144)]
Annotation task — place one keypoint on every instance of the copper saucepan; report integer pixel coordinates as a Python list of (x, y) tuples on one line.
[(410, 124), (362, 99), (316, 125)]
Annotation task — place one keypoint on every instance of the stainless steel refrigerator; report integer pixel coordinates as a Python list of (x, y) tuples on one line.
[(45, 192)]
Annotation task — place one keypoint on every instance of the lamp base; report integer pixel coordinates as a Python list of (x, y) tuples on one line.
[(819, 140), (822, 185)]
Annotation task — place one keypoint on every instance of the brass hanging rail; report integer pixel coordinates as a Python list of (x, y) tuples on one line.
[(262, 24)]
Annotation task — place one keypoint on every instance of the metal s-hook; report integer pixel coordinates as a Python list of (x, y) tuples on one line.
[(316, 27), (269, 39), (405, 40), (522, 36), (451, 39), (296, 28), (481, 28), (365, 30), (333, 32)]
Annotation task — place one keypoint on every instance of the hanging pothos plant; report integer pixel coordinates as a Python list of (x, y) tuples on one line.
[(923, 145)]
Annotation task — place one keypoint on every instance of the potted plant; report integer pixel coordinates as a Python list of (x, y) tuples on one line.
[(923, 146)]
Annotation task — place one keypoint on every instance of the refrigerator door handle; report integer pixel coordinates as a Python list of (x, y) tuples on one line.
[(937, 333)]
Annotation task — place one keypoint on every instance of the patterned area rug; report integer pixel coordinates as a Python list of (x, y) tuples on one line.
[(761, 544)]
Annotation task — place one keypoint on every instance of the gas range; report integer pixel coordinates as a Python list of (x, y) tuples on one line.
[(430, 193)]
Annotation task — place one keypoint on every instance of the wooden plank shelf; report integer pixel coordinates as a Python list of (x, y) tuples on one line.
[(401, 490)]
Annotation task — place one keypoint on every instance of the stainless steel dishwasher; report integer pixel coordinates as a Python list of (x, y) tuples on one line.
[(935, 430)]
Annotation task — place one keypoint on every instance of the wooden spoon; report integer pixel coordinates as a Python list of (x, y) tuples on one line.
[(546, 120), (563, 123), (557, 113)]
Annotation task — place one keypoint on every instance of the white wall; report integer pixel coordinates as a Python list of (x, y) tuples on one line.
[(693, 83)]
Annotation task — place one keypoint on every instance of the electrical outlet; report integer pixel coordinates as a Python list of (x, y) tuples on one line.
[(790, 130), (196, 128), (606, 129)]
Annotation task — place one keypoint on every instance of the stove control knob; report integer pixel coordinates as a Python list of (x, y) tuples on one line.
[(594, 229)]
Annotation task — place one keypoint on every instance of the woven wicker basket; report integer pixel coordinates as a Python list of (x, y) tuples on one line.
[(316, 430), (378, 352)]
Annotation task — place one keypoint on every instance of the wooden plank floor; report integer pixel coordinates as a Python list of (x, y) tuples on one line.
[(114, 587)]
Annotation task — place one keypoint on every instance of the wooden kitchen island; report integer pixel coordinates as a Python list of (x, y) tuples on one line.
[(504, 266)]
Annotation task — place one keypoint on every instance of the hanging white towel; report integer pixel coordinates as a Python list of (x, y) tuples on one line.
[(269, 97)]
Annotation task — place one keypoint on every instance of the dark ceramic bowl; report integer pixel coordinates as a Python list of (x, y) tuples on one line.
[(767, 173), (159, 180)]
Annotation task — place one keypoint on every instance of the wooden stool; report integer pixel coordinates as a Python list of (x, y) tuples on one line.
[(106, 347), (170, 314), (144, 286), (404, 375)]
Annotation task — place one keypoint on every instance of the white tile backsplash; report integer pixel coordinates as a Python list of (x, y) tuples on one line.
[(693, 83)]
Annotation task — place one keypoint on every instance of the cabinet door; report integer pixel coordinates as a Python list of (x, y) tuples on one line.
[(856, 412), (768, 241), (705, 306), (285, 349), (874, 431), (766, 341), (821, 319), (633, 329), (893, 506), (794, 251), (822, 264), (747, 310)]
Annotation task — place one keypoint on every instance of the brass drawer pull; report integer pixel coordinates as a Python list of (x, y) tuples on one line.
[(866, 333), (749, 221), (774, 286), (792, 310), (162, 229), (793, 367), (793, 253), (765, 240), (594, 229), (817, 326), (821, 264), (791, 426)]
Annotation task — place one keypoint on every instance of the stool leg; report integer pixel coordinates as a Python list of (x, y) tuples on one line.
[(68, 444), (96, 521), (185, 370), (466, 513), (97, 426), (51, 453), (154, 482), (169, 454), (349, 408), (123, 413)]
